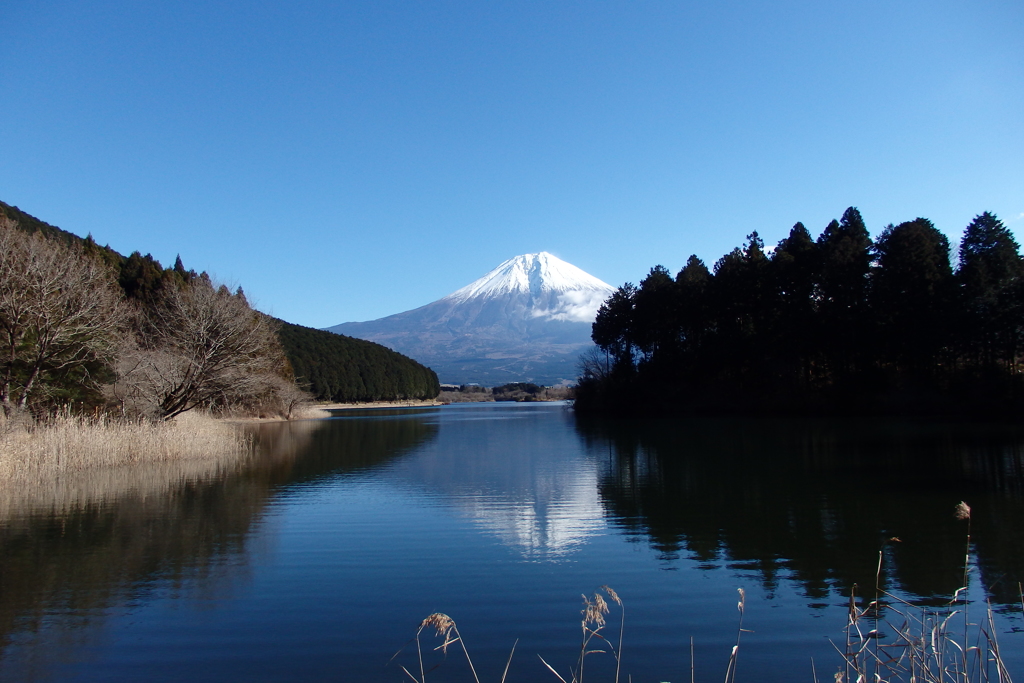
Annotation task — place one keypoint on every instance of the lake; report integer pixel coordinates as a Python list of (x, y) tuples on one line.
[(317, 559)]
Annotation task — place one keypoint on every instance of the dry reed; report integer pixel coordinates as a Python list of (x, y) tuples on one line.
[(927, 648), (69, 461), (445, 628), (730, 672), (70, 443), (50, 462), (592, 624)]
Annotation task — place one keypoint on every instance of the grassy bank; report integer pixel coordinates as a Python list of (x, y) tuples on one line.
[(67, 444)]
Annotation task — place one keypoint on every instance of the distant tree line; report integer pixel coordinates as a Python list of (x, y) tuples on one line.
[(519, 392), (839, 324), (334, 367)]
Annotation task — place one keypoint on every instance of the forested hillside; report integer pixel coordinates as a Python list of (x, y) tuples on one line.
[(330, 366), (334, 367), (842, 325), (141, 277)]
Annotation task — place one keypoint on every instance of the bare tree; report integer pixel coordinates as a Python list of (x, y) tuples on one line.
[(593, 364), (59, 312), (285, 397), (200, 346)]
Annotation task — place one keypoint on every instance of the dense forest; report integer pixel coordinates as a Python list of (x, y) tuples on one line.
[(160, 302), (334, 367), (842, 324)]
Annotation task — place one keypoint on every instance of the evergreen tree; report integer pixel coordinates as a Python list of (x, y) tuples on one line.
[(796, 334), (989, 257), (990, 268), (837, 324), (911, 292), (340, 368), (691, 305), (179, 267), (740, 287), (613, 329), (141, 278), (844, 250), (654, 318)]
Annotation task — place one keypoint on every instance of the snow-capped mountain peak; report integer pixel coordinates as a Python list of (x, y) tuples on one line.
[(557, 290), (533, 273)]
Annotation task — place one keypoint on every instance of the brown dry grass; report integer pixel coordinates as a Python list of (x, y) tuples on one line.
[(70, 461), (67, 444)]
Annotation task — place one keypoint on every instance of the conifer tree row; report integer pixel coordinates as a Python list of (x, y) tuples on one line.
[(840, 324)]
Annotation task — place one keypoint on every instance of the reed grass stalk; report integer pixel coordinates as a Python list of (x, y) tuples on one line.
[(730, 671), (446, 629)]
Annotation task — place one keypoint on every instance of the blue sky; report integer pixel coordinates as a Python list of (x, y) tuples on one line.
[(347, 161)]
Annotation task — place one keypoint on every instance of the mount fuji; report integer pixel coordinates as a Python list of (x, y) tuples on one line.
[(527, 320)]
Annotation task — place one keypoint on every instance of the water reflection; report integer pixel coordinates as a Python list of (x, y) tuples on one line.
[(813, 501), (75, 549), (322, 554), (518, 472)]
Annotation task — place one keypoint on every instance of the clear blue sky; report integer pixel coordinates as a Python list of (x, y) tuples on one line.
[(347, 161)]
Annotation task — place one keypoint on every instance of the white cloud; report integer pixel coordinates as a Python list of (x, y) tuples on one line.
[(578, 306)]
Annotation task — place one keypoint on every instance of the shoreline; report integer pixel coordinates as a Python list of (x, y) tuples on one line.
[(319, 411), (380, 404)]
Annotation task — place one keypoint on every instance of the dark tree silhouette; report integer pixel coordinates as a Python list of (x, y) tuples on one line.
[(834, 325), (988, 278), (912, 294)]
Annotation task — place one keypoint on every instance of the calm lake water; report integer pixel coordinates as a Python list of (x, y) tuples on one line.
[(317, 560)]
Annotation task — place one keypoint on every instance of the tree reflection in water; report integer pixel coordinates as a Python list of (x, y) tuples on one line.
[(813, 501)]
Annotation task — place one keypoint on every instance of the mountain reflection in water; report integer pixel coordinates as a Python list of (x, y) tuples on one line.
[(814, 501), (530, 488)]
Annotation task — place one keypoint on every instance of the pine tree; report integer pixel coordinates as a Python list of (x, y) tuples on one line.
[(911, 291), (844, 250), (988, 275)]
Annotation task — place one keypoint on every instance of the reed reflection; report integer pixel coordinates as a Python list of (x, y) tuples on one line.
[(814, 501)]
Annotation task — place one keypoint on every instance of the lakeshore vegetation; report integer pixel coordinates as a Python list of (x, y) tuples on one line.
[(841, 325), (89, 334)]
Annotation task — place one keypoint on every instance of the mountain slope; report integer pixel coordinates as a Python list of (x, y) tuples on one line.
[(526, 320), (334, 367), (331, 367)]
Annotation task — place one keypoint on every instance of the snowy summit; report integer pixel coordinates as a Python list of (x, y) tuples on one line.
[(531, 273), (558, 290)]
